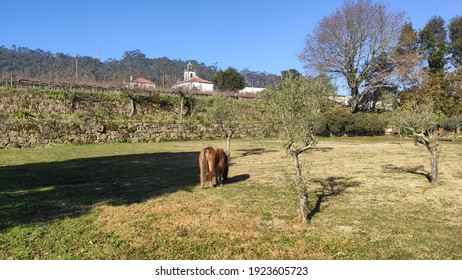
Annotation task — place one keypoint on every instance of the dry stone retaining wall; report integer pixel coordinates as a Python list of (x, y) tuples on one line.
[(15, 133), (84, 104)]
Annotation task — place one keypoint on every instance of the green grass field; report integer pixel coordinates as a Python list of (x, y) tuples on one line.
[(370, 199)]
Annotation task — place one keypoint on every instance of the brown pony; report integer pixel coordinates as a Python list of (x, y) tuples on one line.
[(213, 161)]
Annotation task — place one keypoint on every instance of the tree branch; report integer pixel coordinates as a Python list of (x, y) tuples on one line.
[(307, 146)]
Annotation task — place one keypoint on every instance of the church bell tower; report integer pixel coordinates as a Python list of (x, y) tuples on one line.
[(189, 72)]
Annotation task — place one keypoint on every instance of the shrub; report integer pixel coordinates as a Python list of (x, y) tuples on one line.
[(335, 122), (366, 124), (340, 122), (167, 103), (451, 123)]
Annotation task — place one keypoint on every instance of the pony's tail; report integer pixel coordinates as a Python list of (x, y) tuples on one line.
[(204, 168)]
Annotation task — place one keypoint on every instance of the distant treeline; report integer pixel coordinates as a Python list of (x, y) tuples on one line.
[(24, 63)]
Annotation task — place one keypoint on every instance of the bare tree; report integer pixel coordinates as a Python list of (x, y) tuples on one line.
[(420, 120), (348, 43), (296, 105)]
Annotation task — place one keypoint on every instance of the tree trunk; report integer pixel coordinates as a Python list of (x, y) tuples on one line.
[(434, 148), (434, 158), (354, 105), (73, 101), (228, 143), (354, 99), (181, 105), (64, 103), (133, 106), (301, 190)]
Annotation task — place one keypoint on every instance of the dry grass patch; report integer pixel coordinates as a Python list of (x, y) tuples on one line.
[(371, 199)]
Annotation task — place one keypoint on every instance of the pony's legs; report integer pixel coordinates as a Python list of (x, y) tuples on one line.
[(211, 173), (218, 177)]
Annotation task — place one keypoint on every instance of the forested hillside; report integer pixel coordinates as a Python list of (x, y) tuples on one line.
[(24, 63)]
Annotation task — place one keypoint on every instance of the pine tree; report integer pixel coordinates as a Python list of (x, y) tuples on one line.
[(433, 40), (455, 36), (228, 80)]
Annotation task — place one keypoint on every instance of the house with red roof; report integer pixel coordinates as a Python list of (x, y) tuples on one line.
[(141, 83)]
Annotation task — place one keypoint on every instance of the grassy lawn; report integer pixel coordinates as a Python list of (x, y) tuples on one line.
[(371, 199)]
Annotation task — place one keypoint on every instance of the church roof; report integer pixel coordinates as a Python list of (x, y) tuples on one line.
[(198, 80)]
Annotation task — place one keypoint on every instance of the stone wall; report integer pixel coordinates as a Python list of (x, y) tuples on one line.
[(63, 104), (39, 133)]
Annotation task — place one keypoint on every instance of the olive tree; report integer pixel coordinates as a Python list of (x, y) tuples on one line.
[(296, 105), (420, 120), (224, 111)]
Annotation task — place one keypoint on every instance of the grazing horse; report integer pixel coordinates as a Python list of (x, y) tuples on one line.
[(213, 161)]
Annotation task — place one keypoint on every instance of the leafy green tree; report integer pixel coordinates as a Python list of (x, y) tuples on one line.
[(436, 85), (296, 105), (437, 89), (260, 79), (455, 78), (440, 93), (223, 111), (453, 124), (433, 40), (455, 37), (218, 79), (293, 72), (407, 58), (228, 80)]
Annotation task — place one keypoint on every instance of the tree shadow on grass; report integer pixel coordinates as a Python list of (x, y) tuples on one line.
[(255, 151), (323, 149), (42, 192), (417, 170), (331, 186)]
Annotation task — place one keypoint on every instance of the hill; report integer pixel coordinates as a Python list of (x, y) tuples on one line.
[(22, 62)]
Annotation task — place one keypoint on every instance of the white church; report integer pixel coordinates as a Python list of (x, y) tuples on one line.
[(193, 82)]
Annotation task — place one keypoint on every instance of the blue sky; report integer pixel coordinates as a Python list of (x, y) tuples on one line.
[(258, 35)]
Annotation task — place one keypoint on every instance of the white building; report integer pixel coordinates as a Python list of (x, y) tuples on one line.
[(251, 90), (340, 99), (194, 82), (141, 83)]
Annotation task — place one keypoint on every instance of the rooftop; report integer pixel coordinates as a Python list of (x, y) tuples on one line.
[(142, 81), (198, 80)]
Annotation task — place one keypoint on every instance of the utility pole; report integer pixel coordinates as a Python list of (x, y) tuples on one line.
[(76, 67)]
